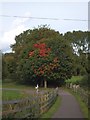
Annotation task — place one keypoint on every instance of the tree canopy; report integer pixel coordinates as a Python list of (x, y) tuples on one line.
[(44, 55)]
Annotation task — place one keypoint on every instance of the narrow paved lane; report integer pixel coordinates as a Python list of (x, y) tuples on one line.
[(69, 107)]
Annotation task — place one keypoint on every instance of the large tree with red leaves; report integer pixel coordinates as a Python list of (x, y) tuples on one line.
[(42, 55), (43, 62)]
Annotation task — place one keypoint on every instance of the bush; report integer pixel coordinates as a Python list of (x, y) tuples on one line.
[(74, 80), (85, 81)]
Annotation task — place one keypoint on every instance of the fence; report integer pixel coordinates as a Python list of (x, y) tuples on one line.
[(31, 107), (80, 91)]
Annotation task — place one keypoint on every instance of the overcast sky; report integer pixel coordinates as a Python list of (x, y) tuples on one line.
[(11, 26)]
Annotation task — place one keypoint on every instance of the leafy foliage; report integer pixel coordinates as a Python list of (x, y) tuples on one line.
[(9, 66), (79, 41), (75, 80), (83, 81), (45, 55)]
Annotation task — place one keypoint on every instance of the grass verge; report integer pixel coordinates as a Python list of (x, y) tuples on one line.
[(12, 95), (16, 85), (83, 106), (52, 110), (14, 90)]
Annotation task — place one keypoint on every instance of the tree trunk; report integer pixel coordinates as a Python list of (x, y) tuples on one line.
[(45, 83), (41, 85)]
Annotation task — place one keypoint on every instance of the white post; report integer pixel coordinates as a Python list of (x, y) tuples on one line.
[(37, 88), (45, 83)]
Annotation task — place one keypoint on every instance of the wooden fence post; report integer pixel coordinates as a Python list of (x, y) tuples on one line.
[(31, 107)]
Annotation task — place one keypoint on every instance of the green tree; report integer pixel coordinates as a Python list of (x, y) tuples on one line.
[(8, 66), (80, 43)]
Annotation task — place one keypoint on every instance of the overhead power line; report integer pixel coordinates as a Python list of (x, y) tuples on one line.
[(44, 18)]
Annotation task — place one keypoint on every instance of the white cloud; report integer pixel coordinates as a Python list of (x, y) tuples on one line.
[(8, 38)]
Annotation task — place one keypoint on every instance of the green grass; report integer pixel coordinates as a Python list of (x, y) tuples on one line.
[(24, 87), (15, 85), (89, 113), (0, 94), (52, 110), (83, 106), (74, 79), (0, 83), (12, 95)]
